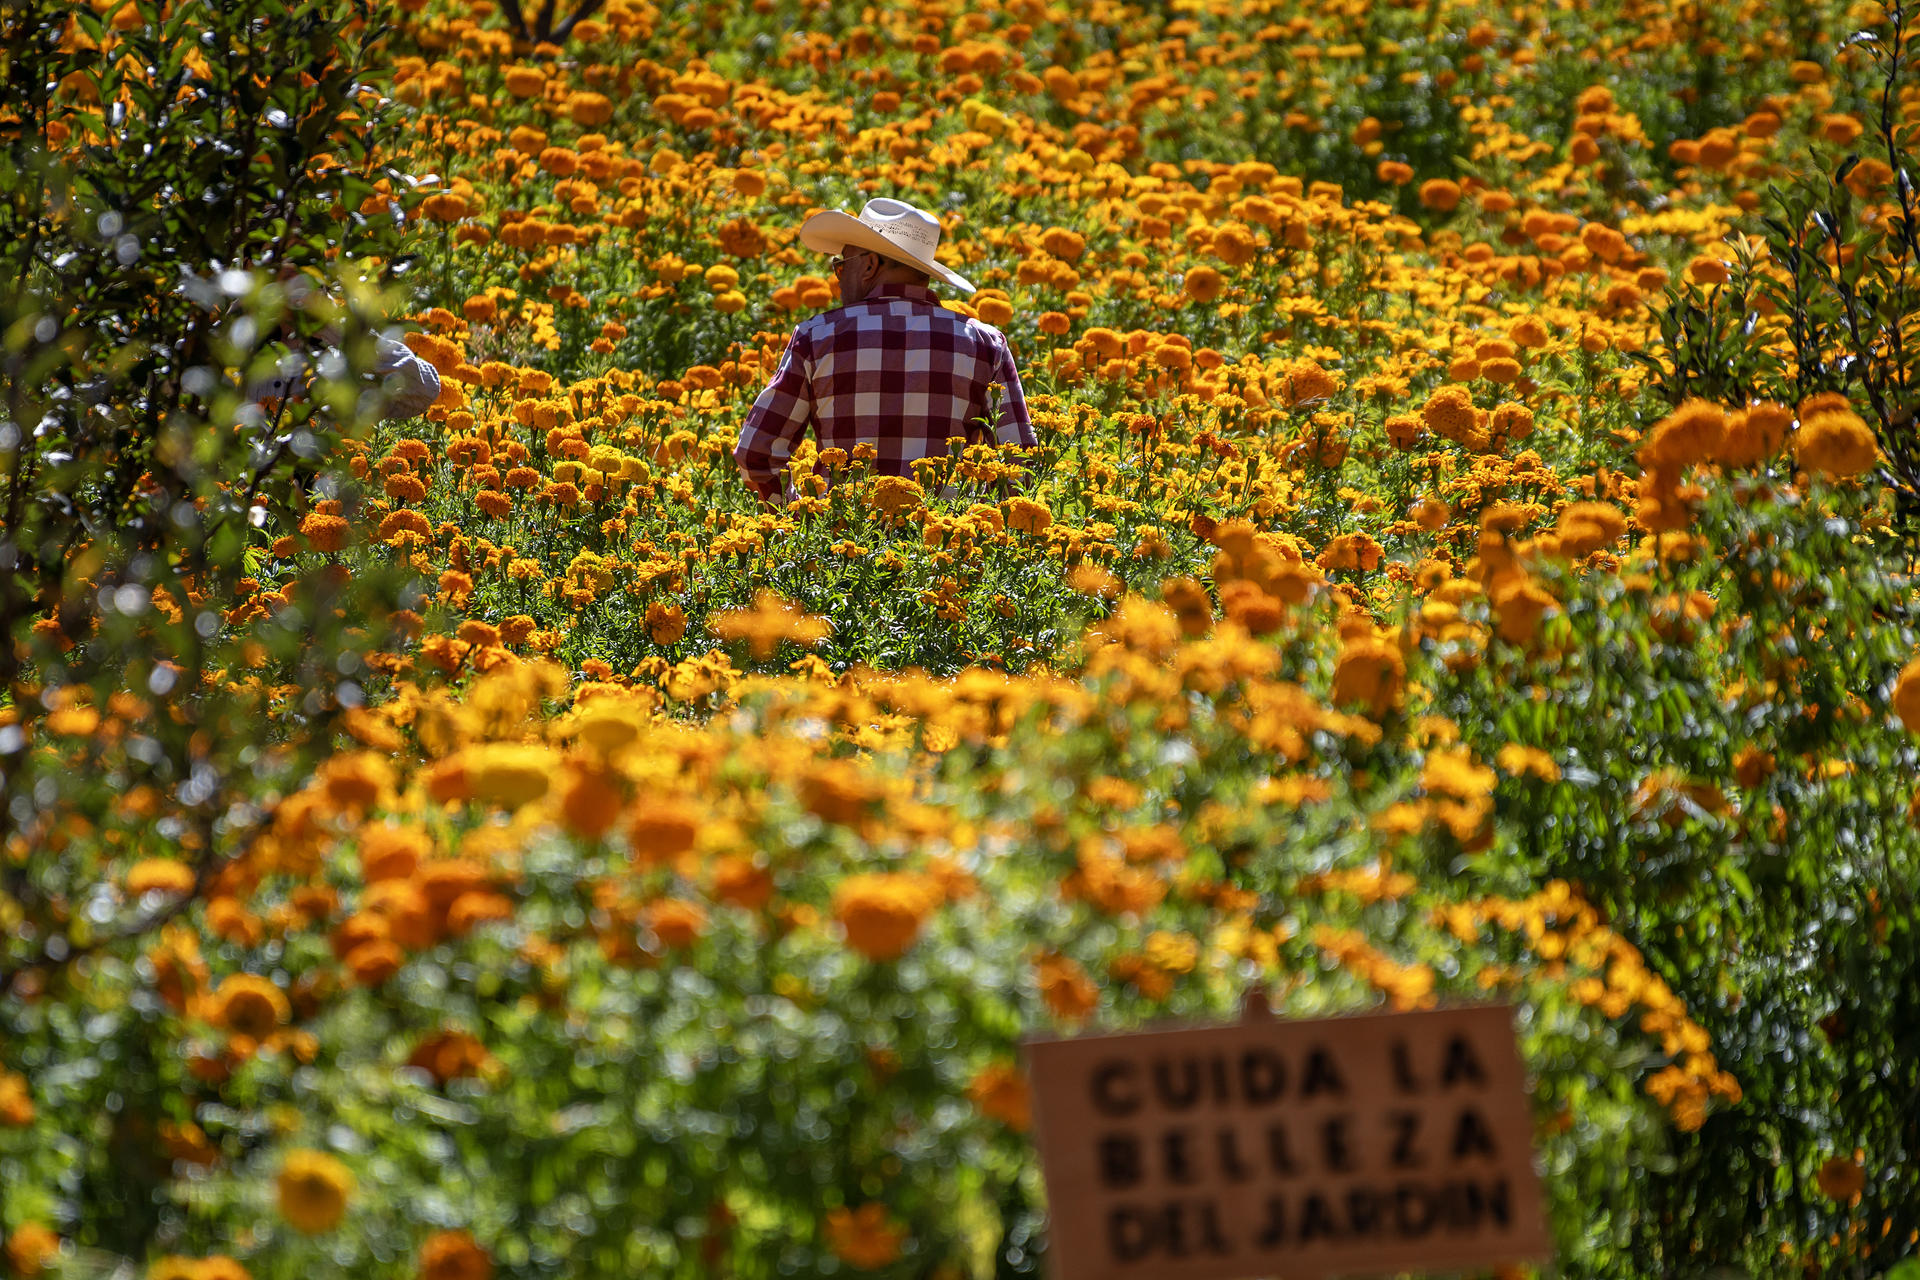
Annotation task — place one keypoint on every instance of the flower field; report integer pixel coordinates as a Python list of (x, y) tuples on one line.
[(1469, 555)]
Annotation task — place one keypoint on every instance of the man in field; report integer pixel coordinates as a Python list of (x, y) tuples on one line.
[(889, 367)]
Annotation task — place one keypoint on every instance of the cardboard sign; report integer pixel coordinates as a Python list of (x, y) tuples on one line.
[(1347, 1146)]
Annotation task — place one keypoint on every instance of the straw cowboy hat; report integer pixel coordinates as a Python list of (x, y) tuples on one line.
[(891, 228)]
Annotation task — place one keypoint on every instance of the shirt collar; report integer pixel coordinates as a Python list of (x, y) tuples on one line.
[(911, 292)]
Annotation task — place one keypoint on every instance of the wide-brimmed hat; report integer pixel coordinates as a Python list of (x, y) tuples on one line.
[(891, 228)]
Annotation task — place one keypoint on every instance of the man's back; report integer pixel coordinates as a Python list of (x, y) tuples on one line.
[(895, 370)]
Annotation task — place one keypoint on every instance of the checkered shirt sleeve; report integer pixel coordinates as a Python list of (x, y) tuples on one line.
[(896, 371)]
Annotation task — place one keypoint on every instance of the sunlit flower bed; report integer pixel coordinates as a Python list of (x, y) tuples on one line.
[(1368, 627)]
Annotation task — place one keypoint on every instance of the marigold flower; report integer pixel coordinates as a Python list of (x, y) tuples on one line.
[(1835, 443), (1001, 1092), (1190, 604), (314, 1191), (866, 1238), (1369, 673), (325, 532), (1694, 432), (1906, 695), (508, 774), (453, 1055), (1064, 986), (248, 1005), (159, 875), (16, 1101), (662, 830), (31, 1246), (1024, 515), (882, 912), (675, 921), (1204, 283), (1841, 1178), (1442, 195), (525, 82)]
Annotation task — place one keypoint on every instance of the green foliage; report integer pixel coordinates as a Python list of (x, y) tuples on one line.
[(175, 223)]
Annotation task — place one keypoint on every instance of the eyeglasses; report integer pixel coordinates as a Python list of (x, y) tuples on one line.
[(839, 260)]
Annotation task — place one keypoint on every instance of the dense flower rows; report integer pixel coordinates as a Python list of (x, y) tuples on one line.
[(1370, 626)]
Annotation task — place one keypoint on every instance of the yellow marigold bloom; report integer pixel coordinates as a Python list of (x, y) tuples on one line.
[(883, 911), (1453, 772), (314, 1190), (1906, 695), (1001, 1092), (866, 1238), (1835, 443), (249, 1005), (1516, 760), (508, 774), (161, 875)]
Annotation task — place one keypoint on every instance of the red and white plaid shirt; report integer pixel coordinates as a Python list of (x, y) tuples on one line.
[(897, 371)]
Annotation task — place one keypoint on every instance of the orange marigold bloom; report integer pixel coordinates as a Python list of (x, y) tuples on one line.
[(1841, 1178), (1835, 443), (16, 1101), (866, 1238), (675, 921), (741, 881), (454, 1255), (1064, 986), (248, 1005), (661, 831), (1906, 695), (1024, 515), (31, 1247), (325, 532), (1191, 606), (1369, 673), (1442, 195), (883, 911), (1001, 1092), (1694, 432), (591, 801), (525, 82), (1204, 283), (452, 1055), (1063, 244)]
